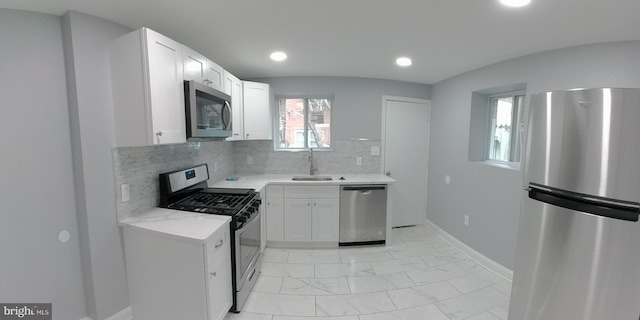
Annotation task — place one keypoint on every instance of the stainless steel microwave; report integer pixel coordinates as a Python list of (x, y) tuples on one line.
[(208, 112)]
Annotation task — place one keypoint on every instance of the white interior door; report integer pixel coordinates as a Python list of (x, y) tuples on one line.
[(406, 144)]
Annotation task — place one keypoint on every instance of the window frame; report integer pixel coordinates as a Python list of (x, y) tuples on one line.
[(517, 124), (306, 98)]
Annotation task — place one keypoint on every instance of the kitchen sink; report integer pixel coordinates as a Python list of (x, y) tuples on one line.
[(312, 178)]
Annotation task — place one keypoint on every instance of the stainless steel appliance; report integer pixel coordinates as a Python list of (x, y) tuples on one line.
[(187, 190), (207, 111), (363, 214), (577, 252)]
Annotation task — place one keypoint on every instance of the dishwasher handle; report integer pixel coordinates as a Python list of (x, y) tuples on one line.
[(365, 189)]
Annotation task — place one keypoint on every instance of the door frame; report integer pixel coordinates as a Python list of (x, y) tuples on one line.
[(383, 151)]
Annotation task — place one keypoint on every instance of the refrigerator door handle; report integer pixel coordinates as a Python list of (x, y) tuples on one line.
[(609, 208)]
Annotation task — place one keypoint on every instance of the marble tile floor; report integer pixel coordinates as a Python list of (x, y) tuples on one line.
[(416, 276)]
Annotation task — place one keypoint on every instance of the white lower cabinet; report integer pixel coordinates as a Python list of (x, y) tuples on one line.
[(274, 213), (311, 215), (171, 278), (325, 220), (275, 219), (297, 220)]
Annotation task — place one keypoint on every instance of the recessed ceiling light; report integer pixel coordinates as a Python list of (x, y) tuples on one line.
[(515, 3), (278, 56), (403, 61)]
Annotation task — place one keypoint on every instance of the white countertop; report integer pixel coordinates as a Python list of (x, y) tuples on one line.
[(199, 227), (259, 181), (181, 224)]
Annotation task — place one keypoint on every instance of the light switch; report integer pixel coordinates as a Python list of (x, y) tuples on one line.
[(249, 160), (375, 150), (215, 167), (358, 161), (124, 190)]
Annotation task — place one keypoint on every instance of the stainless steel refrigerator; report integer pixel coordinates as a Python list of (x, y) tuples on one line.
[(578, 249)]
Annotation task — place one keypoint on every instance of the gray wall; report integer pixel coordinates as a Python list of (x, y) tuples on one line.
[(36, 174), (89, 80), (357, 105), (491, 195)]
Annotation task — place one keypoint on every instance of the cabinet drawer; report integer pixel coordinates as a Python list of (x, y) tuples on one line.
[(314, 192), (218, 241), (275, 191)]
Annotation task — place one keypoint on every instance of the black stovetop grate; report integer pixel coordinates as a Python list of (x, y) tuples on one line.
[(213, 200)]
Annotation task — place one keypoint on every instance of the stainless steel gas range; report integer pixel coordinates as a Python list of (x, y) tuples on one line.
[(187, 190)]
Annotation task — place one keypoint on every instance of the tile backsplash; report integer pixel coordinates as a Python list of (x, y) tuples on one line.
[(139, 166), (341, 159)]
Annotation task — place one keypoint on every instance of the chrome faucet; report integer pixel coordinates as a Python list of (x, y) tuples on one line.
[(312, 170)]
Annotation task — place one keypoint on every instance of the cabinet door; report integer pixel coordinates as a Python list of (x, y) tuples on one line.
[(166, 89), (297, 220), (195, 65), (233, 87), (257, 111), (275, 219), (214, 75), (325, 219), (219, 279)]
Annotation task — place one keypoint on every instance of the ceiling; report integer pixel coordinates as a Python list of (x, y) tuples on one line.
[(362, 38)]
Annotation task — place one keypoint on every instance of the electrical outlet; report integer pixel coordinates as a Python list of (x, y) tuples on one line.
[(249, 160), (358, 161), (375, 150), (215, 167), (466, 220), (125, 191)]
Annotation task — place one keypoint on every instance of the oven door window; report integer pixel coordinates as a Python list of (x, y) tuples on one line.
[(249, 244), (212, 113)]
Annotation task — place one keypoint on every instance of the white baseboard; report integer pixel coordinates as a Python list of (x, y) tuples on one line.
[(125, 314), (476, 256)]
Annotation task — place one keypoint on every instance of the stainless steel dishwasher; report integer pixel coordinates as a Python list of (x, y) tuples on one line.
[(363, 214)]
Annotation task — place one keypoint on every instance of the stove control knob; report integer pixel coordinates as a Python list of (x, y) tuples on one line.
[(256, 203), (242, 219)]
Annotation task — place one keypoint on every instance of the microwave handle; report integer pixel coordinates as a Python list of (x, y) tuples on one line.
[(226, 122)]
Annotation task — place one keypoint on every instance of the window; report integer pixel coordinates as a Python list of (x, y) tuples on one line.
[(297, 116), (505, 127)]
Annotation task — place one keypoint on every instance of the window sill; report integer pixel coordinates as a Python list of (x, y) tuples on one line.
[(304, 150), (499, 164)]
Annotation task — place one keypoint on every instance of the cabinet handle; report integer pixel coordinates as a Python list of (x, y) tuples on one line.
[(219, 244), (213, 274), (159, 133), (315, 204), (308, 204)]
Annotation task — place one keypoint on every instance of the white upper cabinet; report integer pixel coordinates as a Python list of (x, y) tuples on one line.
[(197, 67), (233, 87), (214, 75), (194, 65), (257, 111), (148, 90)]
